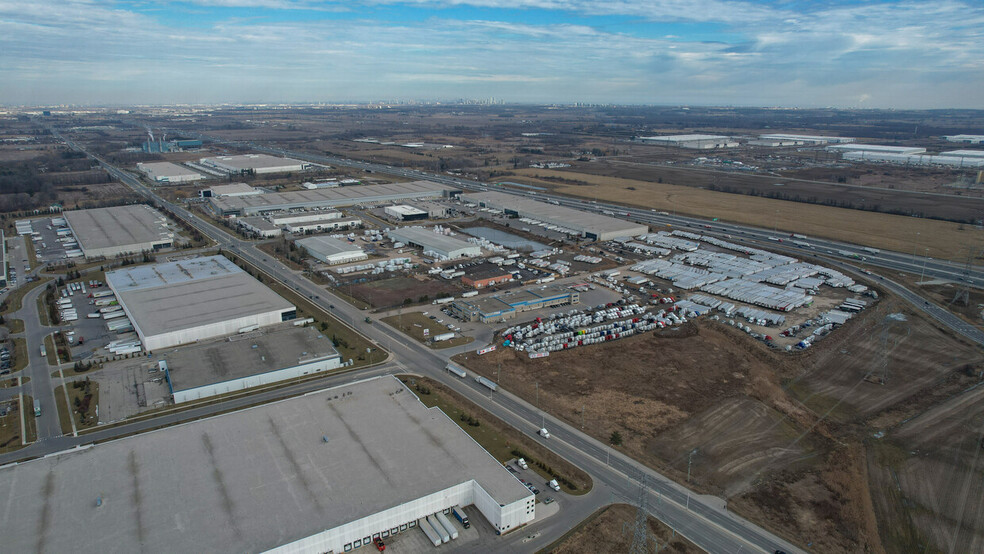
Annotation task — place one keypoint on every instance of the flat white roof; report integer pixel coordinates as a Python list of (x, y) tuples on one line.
[(328, 246), (158, 170), (403, 209), (250, 480), (252, 161), (685, 138), (124, 227), (340, 196), (190, 293), (429, 240), (964, 153), (234, 188), (876, 148)]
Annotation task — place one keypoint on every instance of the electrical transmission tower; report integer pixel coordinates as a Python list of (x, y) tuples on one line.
[(894, 329), (640, 541)]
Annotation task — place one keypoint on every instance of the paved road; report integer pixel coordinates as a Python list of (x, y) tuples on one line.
[(703, 521)]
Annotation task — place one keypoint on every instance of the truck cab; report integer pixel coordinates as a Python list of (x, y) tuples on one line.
[(544, 433), (37, 408)]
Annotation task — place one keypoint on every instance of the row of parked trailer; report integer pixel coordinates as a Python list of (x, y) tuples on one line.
[(577, 328), (438, 529), (124, 346)]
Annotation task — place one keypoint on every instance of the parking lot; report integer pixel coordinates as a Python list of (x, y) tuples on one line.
[(87, 335), (49, 246)]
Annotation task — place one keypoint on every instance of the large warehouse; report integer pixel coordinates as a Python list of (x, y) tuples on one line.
[(331, 250), (256, 163), (876, 149), (191, 300), (695, 142), (589, 225), (324, 472), (265, 356), (328, 198), (807, 139), (434, 243), (167, 172), (233, 189), (108, 232), (967, 139)]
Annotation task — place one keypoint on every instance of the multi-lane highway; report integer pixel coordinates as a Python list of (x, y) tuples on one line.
[(704, 521)]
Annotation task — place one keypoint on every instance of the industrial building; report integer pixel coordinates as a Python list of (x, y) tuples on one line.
[(260, 226), (254, 163), (328, 198), (109, 232), (405, 213), (805, 139), (696, 142), (332, 251), (434, 243), (875, 149), (323, 472), (500, 307), (246, 360), (303, 217), (161, 146), (191, 300), (333, 224), (588, 225), (964, 153), (234, 189), (486, 275), (167, 172), (916, 159), (968, 139)]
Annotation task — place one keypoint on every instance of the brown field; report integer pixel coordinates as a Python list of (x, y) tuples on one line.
[(780, 436), (890, 232), (611, 530), (393, 291)]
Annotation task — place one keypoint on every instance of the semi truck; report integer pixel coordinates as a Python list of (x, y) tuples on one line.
[(443, 337), (486, 382), (432, 521), (37, 408), (459, 514), (448, 526), (429, 531), (456, 369)]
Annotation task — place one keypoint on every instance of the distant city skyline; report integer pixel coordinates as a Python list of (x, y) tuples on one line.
[(846, 54)]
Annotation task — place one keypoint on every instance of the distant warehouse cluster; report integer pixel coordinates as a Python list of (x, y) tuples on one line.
[(694, 142), (909, 155), (585, 224)]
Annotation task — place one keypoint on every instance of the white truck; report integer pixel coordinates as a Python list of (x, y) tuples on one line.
[(544, 433)]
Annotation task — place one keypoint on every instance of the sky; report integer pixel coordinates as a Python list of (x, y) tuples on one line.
[(838, 53)]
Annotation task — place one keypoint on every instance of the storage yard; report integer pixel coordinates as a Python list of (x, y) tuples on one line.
[(751, 413)]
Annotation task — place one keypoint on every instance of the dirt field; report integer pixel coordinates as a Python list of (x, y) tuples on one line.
[(778, 435), (889, 232), (611, 530), (394, 291), (414, 323)]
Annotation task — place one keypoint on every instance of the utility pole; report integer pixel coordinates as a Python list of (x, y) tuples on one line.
[(641, 538), (690, 459)]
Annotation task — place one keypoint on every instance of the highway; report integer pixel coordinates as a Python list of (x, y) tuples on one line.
[(705, 521)]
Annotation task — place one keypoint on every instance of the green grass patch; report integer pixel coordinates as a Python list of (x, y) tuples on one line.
[(12, 382), (499, 439), (14, 325), (43, 311), (278, 250), (10, 424), (83, 411), (414, 323), (20, 354), (49, 348)]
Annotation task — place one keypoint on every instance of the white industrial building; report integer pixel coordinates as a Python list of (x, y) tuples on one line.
[(109, 232), (303, 217), (262, 357), (586, 224), (256, 163), (328, 198), (167, 172), (968, 139), (260, 226), (696, 142), (875, 149), (327, 471), (434, 243), (234, 189), (331, 250), (805, 139), (191, 300), (916, 159), (323, 225), (403, 212), (964, 153)]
